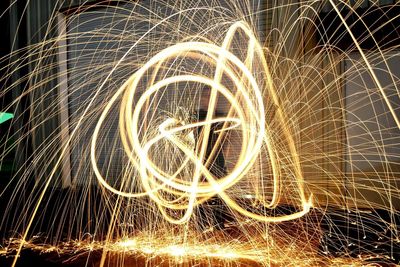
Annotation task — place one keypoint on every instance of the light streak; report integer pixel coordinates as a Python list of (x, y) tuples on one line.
[(5, 117), (293, 174), (251, 121)]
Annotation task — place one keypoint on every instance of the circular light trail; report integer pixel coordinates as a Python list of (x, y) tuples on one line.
[(246, 115)]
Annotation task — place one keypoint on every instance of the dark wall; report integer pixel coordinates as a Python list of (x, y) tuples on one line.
[(5, 100), (372, 26)]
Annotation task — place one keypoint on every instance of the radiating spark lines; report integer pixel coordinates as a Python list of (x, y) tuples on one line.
[(251, 121), (209, 133)]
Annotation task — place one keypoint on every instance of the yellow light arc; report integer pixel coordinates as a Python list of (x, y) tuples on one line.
[(246, 112)]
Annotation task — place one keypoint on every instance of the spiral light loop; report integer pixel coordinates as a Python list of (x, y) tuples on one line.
[(172, 190)]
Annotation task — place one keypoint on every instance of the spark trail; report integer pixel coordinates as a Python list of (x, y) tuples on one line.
[(110, 155)]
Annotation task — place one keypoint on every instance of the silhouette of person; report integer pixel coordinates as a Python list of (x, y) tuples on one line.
[(210, 213)]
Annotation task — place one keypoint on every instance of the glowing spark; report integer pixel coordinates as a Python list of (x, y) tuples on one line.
[(284, 126), (247, 103)]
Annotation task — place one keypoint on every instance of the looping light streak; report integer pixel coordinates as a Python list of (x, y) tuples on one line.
[(246, 114), (287, 129)]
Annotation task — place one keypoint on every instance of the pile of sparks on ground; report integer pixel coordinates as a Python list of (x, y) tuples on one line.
[(134, 148), (168, 252)]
